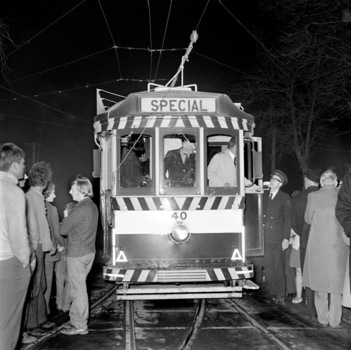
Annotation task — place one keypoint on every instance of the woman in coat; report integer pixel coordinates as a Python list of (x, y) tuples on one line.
[(326, 252)]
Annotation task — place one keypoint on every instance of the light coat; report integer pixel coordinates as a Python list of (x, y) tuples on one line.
[(326, 252)]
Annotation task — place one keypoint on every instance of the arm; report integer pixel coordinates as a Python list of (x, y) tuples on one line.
[(70, 222), (212, 172), (32, 223), (309, 210), (18, 235), (343, 205), (287, 224), (56, 226)]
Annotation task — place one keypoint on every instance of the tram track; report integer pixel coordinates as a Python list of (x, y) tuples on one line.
[(59, 319)]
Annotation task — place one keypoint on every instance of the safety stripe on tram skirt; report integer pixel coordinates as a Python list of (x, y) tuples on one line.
[(167, 121), (180, 203), (200, 275)]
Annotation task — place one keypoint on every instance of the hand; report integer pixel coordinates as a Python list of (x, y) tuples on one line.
[(285, 244), (33, 264)]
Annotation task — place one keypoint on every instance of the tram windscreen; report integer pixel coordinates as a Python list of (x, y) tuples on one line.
[(179, 160)]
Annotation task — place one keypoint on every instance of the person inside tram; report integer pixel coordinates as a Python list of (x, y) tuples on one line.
[(131, 169), (221, 171), (179, 165)]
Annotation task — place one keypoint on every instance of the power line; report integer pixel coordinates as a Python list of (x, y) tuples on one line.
[(45, 105), (113, 40), (42, 31)]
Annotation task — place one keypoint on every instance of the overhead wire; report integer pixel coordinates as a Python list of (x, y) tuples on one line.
[(164, 37), (45, 105), (150, 35), (43, 30), (42, 121), (112, 38)]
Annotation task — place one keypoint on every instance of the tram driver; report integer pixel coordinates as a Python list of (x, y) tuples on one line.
[(179, 165)]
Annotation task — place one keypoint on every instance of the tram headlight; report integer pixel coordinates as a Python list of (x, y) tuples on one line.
[(180, 234)]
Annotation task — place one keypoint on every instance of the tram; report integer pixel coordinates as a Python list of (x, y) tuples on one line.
[(177, 237)]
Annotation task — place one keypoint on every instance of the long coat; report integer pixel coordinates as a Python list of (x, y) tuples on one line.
[(326, 254)]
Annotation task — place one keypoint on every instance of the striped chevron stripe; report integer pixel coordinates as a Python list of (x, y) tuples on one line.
[(222, 122), (181, 203), (162, 276)]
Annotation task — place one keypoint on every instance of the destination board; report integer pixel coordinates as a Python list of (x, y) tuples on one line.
[(175, 105)]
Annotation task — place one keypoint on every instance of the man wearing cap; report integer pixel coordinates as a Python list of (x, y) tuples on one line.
[(301, 228), (276, 227)]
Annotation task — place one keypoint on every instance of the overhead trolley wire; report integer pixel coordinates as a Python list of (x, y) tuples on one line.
[(164, 37), (113, 40), (150, 34), (42, 31), (45, 105)]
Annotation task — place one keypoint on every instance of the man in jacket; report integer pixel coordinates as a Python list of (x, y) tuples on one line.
[(276, 228)]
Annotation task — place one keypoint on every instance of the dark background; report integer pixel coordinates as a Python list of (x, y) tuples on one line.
[(64, 50)]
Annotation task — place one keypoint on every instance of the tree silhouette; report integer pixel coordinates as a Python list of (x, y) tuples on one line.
[(300, 86)]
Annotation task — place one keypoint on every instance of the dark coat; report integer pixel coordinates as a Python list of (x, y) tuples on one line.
[(180, 174), (343, 208), (298, 223), (276, 217)]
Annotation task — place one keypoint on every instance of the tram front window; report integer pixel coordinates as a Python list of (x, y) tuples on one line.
[(179, 161), (135, 161)]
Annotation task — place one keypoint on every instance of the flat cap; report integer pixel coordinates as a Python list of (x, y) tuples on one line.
[(283, 178), (313, 174)]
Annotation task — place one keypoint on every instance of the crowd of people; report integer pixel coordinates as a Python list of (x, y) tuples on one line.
[(38, 252), (309, 233)]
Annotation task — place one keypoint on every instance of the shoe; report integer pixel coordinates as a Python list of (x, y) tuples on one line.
[(28, 339), (336, 327), (278, 300), (297, 300), (47, 325), (36, 332), (67, 325), (74, 331), (322, 325)]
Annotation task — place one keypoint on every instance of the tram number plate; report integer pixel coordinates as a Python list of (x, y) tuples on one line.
[(182, 215)]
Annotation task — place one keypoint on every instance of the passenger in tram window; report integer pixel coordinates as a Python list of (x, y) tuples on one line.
[(80, 227), (15, 253), (131, 169), (221, 171), (179, 165)]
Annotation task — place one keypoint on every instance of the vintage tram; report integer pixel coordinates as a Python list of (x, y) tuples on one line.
[(177, 237)]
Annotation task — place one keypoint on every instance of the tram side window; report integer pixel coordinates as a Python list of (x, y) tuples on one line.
[(135, 161), (222, 161), (179, 161)]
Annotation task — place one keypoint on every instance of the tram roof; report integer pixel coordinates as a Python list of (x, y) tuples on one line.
[(132, 105)]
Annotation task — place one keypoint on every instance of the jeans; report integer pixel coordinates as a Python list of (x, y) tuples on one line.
[(63, 290), (78, 270), (14, 281)]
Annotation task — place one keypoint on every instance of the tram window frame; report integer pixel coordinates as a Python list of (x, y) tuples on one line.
[(225, 136), (188, 190), (147, 189)]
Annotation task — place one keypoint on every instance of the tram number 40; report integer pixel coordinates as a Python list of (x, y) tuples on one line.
[(182, 215)]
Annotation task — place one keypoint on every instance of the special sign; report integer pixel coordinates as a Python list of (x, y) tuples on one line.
[(174, 105)]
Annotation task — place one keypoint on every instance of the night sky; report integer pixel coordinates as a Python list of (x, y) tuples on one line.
[(64, 50)]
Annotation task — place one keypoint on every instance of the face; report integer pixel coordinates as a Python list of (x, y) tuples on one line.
[(275, 182), (19, 168), (76, 195), (51, 197), (188, 148)]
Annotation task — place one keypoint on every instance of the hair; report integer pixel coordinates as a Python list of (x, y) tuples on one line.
[(84, 185), (49, 189), (40, 174), (10, 153), (329, 178), (232, 142)]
